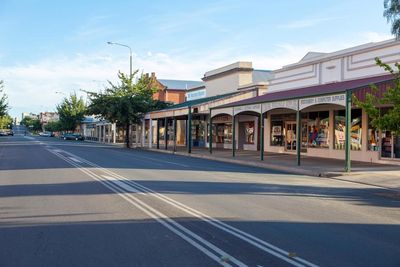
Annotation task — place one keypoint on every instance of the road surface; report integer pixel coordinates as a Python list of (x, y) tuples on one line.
[(72, 203)]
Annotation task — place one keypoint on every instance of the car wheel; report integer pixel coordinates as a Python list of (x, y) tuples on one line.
[(76, 139), (65, 138)]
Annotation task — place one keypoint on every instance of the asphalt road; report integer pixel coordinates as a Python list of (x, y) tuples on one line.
[(71, 203)]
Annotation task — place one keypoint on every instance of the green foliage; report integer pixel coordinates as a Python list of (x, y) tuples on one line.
[(53, 126), (392, 14), (71, 112), (31, 124), (3, 100), (6, 122), (389, 121), (125, 103)]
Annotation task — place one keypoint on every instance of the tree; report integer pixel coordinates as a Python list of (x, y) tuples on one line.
[(31, 123), (71, 112), (6, 121), (390, 121), (125, 103), (392, 14), (53, 126), (3, 100)]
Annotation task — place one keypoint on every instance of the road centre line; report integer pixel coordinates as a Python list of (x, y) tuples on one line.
[(261, 244), (221, 257)]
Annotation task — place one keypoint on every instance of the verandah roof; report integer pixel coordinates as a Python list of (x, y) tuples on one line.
[(323, 89)]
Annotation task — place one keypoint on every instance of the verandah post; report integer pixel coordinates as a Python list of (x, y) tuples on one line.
[(174, 127), (298, 136), (210, 133), (261, 135), (347, 166), (189, 133), (166, 133), (233, 135)]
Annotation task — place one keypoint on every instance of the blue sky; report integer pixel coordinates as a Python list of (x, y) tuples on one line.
[(48, 46)]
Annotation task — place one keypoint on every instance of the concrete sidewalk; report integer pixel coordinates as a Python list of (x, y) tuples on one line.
[(380, 175)]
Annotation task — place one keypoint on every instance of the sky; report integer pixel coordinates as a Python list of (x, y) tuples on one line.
[(50, 49)]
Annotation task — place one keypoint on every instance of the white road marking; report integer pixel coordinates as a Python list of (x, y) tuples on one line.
[(169, 223), (261, 244), (126, 187), (74, 159)]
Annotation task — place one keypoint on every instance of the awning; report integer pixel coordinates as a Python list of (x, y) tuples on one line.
[(334, 89)]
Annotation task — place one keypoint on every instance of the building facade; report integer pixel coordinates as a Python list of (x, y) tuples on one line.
[(310, 103)]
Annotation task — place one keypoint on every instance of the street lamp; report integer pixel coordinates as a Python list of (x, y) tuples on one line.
[(130, 55)]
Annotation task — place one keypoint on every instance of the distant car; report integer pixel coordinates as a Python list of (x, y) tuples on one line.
[(6, 132), (72, 136), (46, 134)]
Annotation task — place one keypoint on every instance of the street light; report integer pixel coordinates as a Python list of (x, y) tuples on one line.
[(130, 55)]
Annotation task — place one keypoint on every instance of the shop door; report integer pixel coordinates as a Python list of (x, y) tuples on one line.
[(290, 136)]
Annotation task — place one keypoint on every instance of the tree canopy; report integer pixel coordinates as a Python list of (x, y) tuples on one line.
[(3, 100), (71, 111), (392, 14), (31, 123), (125, 103), (6, 121), (390, 121)]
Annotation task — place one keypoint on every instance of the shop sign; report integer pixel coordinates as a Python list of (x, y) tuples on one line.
[(253, 108), (339, 99), (290, 104), (196, 94)]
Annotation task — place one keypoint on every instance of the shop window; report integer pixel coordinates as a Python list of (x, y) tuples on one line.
[(228, 133), (373, 137), (318, 129), (220, 131), (277, 133), (356, 129), (340, 124), (249, 132)]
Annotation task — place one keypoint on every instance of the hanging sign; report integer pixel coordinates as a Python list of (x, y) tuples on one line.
[(339, 99)]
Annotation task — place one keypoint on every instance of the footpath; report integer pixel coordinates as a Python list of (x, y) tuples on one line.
[(380, 175)]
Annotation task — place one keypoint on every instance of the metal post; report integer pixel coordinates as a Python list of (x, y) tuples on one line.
[(174, 127), (189, 129), (298, 137), (158, 134), (347, 166), (210, 133), (233, 135), (166, 133), (262, 136)]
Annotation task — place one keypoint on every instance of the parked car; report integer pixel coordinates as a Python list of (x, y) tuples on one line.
[(6, 132), (46, 134), (72, 136)]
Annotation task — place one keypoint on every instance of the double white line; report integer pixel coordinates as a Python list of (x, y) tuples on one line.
[(122, 186)]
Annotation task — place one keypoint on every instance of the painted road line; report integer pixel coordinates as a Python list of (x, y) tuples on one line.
[(74, 159), (121, 184), (250, 239), (221, 257)]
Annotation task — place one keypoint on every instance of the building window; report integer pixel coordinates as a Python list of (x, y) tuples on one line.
[(249, 132), (356, 129), (222, 131), (318, 129), (340, 124), (228, 133), (276, 132), (373, 137)]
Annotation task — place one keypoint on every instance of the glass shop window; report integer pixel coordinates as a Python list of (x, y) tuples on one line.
[(318, 129), (249, 132), (277, 133), (355, 130), (228, 133)]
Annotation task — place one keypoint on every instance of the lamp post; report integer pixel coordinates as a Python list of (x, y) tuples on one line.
[(130, 55)]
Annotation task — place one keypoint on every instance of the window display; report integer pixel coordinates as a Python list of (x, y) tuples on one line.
[(318, 129), (249, 132), (276, 133), (373, 137), (356, 129)]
